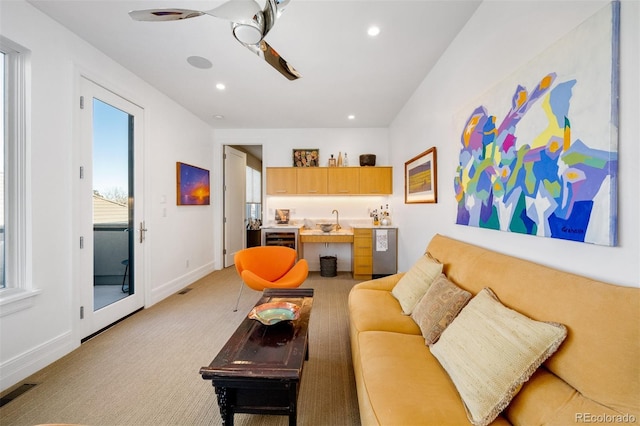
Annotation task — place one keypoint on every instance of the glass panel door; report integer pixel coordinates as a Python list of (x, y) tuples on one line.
[(112, 221)]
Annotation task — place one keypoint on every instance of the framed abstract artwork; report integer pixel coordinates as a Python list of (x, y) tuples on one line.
[(539, 151), (193, 186), (420, 178)]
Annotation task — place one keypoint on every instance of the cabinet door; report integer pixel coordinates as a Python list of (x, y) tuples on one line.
[(281, 180), (311, 180), (376, 180), (343, 180), (362, 254)]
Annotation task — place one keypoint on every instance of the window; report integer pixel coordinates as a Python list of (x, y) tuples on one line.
[(254, 194), (15, 290)]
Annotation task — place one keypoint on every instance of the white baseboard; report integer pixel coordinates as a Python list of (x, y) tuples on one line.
[(24, 365), (173, 286)]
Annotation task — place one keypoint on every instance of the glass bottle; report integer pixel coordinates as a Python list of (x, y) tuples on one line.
[(332, 161), (345, 162), (340, 164)]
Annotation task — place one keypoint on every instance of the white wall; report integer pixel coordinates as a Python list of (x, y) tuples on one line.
[(495, 43), (34, 337)]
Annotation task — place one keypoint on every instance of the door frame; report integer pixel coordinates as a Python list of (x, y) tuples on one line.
[(79, 224)]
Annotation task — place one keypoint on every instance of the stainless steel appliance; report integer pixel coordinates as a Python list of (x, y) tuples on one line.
[(385, 252), (286, 236)]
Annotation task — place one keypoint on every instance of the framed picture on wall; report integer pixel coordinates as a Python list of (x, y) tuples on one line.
[(305, 157), (420, 178), (192, 185)]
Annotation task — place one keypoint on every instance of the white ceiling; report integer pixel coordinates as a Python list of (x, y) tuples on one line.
[(344, 71)]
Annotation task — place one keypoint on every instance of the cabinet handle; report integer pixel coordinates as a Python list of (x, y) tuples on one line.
[(312, 191)]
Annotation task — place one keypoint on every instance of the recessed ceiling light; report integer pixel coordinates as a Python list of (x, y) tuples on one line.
[(220, 86), (218, 117), (373, 31), (199, 62), (351, 117)]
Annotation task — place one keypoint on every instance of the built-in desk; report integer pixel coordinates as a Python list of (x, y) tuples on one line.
[(374, 250), (314, 236)]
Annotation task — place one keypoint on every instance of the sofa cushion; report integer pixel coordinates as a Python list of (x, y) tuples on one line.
[(404, 383), (415, 282), (438, 307), (378, 310), (490, 350), (546, 399)]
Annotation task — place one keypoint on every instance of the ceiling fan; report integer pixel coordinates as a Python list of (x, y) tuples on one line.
[(249, 25)]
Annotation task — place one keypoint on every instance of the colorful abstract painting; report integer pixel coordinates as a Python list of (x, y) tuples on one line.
[(545, 161), (193, 185)]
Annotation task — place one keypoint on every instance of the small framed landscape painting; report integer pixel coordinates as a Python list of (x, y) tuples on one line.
[(420, 178), (305, 157), (193, 186)]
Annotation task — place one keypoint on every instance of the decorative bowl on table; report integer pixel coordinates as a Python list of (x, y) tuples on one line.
[(271, 313)]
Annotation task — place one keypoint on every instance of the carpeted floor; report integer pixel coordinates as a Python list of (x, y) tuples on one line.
[(144, 370)]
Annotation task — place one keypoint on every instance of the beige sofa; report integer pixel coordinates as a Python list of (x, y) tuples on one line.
[(594, 377)]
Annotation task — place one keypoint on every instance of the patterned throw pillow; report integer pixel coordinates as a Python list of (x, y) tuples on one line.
[(489, 351), (415, 283), (438, 307)]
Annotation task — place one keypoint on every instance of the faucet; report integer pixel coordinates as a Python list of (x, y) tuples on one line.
[(338, 227)]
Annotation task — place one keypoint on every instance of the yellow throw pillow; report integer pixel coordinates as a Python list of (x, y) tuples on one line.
[(438, 307), (489, 351), (415, 283)]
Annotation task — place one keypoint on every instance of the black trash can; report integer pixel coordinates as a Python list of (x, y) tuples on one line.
[(328, 266)]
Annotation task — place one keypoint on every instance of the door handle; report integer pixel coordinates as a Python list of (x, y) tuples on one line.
[(142, 231)]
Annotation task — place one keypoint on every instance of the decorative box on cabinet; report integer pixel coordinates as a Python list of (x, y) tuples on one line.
[(281, 181)]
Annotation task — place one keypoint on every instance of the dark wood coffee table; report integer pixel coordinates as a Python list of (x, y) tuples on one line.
[(258, 370)]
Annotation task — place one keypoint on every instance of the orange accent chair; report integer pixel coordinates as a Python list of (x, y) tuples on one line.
[(270, 267)]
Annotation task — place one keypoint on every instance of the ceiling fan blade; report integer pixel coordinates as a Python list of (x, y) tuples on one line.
[(273, 58), (238, 11), (280, 6), (164, 14), (249, 25)]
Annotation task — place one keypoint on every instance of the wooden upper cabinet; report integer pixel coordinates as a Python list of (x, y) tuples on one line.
[(281, 181), (376, 180), (343, 180), (311, 180), (329, 180)]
